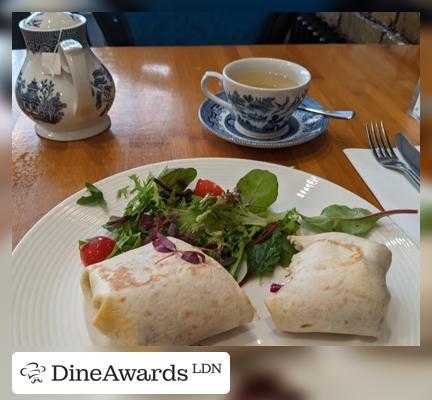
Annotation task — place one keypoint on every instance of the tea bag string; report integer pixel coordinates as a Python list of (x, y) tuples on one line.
[(58, 41)]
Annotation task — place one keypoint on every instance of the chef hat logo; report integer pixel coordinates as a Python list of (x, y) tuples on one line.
[(32, 371)]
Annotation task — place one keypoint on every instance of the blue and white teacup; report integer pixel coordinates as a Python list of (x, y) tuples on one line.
[(260, 112)]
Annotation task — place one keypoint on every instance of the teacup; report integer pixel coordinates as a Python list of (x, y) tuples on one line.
[(262, 94)]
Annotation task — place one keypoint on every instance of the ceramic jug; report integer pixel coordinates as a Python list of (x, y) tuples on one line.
[(62, 85)]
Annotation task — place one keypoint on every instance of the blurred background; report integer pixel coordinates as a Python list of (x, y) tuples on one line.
[(334, 373), (225, 28)]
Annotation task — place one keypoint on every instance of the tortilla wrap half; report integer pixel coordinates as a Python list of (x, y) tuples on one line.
[(335, 284), (140, 300)]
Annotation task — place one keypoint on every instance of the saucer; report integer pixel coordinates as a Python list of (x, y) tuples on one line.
[(303, 126)]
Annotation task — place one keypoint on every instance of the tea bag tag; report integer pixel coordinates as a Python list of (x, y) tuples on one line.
[(51, 61)]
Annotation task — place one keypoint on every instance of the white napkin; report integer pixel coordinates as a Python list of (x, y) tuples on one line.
[(391, 188)]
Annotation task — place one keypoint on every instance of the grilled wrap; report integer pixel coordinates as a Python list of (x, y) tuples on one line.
[(140, 300), (335, 284)]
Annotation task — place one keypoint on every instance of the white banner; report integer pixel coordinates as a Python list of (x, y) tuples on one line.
[(121, 373)]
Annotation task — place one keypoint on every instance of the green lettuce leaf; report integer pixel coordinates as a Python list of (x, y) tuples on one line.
[(264, 257), (177, 179), (258, 189)]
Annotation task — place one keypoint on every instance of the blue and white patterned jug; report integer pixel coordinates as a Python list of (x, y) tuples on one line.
[(62, 85)]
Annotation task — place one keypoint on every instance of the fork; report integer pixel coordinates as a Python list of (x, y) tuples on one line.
[(384, 154)]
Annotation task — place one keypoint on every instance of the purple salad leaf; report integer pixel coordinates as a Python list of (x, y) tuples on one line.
[(267, 233), (163, 244), (118, 221), (150, 237), (172, 230), (210, 246), (146, 221), (275, 287), (193, 257)]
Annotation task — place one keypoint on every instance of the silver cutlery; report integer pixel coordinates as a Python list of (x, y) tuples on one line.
[(339, 114), (410, 154), (384, 154)]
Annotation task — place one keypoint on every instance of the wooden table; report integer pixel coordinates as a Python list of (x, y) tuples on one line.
[(154, 117), (426, 106)]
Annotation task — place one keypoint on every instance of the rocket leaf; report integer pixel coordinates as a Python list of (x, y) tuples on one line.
[(355, 221), (95, 198)]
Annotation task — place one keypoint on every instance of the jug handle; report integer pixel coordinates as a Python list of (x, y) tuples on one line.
[(76, 65)]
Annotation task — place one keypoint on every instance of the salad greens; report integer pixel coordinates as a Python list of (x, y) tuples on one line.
[(177, 179), (94, 198), (234, 226), (123, 192), (356, 221), (258, 189), (263, 257)]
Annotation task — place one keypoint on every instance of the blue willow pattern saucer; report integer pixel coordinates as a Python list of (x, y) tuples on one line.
[(303, 126)]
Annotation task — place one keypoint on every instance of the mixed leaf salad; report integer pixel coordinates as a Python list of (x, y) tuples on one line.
[(228, 225)]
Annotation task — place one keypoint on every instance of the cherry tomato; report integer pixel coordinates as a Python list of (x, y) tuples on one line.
[(205, 186), (96, 250)]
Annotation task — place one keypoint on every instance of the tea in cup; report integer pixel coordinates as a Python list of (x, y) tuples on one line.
[(262, 94)]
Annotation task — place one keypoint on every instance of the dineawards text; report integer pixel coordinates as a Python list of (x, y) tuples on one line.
[(112, 374)]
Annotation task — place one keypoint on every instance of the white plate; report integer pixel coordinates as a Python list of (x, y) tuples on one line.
[(48, 307)]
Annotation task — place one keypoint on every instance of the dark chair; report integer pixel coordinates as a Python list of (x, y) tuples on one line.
[(160, 28), (208, 28), (115, 28), (277, 27)]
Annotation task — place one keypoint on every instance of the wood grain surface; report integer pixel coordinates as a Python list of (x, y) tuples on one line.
[(154, 117)]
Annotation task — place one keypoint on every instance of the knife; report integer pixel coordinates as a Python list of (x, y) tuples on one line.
[(409, 152)]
